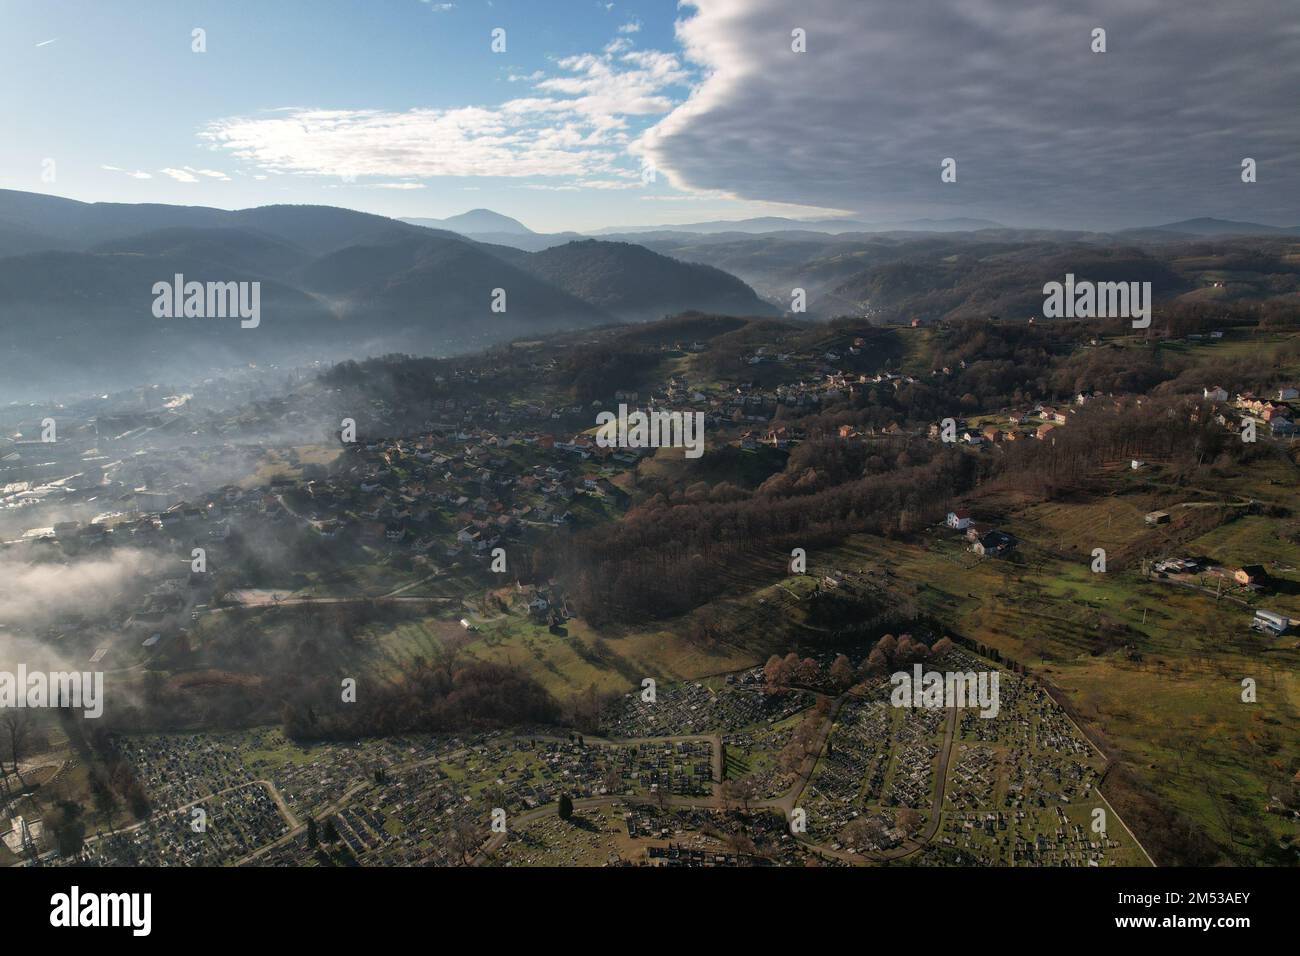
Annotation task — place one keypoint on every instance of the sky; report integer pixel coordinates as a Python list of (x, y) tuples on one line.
[(594, 114)]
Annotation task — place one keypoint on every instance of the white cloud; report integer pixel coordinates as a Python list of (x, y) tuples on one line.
[(633, 26), (576, 124), (134, 174), (188, 174), (180, 175)]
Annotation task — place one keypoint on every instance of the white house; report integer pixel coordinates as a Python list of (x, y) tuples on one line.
[(959, 520), (1215, 394)]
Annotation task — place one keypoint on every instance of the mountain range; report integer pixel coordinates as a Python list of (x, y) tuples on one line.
[(484, 225), (76, 281)]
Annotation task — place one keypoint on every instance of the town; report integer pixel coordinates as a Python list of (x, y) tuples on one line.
[(442, 529)]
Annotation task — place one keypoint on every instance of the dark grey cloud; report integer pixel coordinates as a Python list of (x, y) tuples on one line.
[(1044, 131)]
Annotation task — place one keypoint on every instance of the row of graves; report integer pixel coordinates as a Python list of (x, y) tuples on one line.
[(222, 774), (681, 836), (1029, 754), (1022, 786), (408, 816), (753, 753), (582, 770), (317, 777), (693, 707), (916, 744), (403, 818), (178, 769), (677, 855), (221, 829), (647, 835), (592, 837), (1059, 836), (851, 775), (404, 783), (874, 831), (973, 777)]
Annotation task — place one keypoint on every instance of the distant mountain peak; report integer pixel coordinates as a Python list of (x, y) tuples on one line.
[(477, 221), (1210, 226)]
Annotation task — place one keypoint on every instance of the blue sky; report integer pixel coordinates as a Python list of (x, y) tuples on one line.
[(290, 94), (400, 107)]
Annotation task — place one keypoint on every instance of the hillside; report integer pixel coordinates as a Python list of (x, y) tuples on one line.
[(637, 284), (445, 285), (335, 284)]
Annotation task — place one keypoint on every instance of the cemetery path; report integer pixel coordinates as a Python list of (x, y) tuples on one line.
[(288, 814), (294, 831), (936, 805), (297, 826), (786, 803), (592, 803), (941, 780)]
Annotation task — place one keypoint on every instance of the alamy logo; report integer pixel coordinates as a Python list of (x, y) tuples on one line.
[(211, 300), (103, 909), (653, 430), (1098, 300), (82, 690), (932, 690)]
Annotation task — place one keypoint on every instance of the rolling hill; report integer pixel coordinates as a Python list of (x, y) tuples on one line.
[(335, 283), (636, 284)]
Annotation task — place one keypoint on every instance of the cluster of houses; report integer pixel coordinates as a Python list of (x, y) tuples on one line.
[(984, 541), (1040, 420), (409, 491), (1036, 423), (1274, 411)]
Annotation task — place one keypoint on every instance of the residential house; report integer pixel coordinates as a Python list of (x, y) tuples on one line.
[(1250, 574), (992, 543)]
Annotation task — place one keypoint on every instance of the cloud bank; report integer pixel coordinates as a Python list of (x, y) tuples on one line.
[(1044, 131)]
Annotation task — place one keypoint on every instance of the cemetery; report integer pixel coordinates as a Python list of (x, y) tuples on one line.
[(704, 775)]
